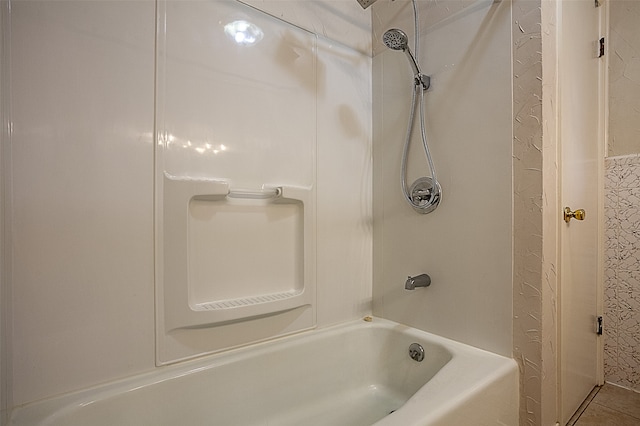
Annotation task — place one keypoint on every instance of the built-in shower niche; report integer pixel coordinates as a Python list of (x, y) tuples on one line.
[(234, 254), (244, 252)]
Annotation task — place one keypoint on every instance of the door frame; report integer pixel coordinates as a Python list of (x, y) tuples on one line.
[(603, 114)]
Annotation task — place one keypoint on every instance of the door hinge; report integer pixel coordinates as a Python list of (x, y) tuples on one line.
[(601, 47), (599, 326)]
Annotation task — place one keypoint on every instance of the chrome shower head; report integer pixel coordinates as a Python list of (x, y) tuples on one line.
[(396, 39), (366, 3)]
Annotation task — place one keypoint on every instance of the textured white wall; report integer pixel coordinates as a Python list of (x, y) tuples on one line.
[(527, 206), (624, 77), (546, 412)]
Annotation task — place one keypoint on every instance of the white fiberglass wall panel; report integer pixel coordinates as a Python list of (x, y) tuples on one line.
[(82, 108), (82, 167), (236, 95), (465, 245)]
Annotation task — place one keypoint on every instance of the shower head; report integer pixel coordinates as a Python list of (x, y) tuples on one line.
[(366, 3), (396, 39)]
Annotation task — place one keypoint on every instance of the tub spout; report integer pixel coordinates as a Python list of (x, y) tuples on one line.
[(422, 280)]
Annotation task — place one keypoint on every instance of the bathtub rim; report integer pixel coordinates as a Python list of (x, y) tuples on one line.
[(45, 411)]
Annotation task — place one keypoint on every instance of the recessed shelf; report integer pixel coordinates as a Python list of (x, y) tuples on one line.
[(242, 249), (246, 301), (234, 255)]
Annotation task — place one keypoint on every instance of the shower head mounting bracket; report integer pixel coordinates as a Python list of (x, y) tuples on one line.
[(422, 80)]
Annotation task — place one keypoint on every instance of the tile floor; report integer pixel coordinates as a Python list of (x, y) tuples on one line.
[(609, 405)]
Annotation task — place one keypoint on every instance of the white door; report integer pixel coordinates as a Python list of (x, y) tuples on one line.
[(581, 156)]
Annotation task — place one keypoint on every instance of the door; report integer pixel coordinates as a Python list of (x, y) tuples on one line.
[(581, 156)]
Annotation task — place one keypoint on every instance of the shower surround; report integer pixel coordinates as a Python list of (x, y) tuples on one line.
[(465, 244), (80, 214), (81, 268)]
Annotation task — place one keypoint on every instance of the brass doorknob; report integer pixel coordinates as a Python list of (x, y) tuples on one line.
[(577, 215)]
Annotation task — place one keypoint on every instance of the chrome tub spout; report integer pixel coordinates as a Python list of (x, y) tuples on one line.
[(422, 280)]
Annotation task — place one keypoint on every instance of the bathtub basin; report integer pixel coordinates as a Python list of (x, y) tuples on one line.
[(358, 373)]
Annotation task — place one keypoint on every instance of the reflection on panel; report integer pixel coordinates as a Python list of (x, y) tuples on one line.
[(237, 94)]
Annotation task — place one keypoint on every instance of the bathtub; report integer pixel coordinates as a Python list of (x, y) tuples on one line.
[(357, 373)]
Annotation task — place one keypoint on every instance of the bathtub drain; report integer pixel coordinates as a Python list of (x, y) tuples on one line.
[(416, 352)]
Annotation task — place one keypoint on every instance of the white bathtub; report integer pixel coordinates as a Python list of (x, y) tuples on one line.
[(352, 374)]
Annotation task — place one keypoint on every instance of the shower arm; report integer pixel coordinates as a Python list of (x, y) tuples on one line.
[(419, 78)]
